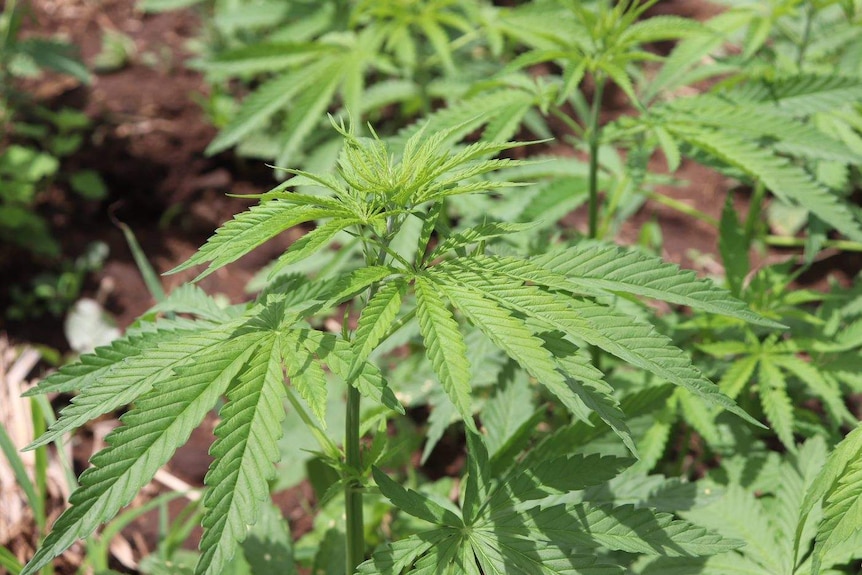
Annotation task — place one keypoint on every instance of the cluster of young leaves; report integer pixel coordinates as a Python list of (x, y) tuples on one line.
[(540, 311)]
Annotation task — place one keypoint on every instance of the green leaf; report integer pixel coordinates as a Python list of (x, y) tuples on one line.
[(556, 476), (338, 355), (257, 108), (247, 231), (375, 321), (842, 514), (511, 335), (478, 479), (623, 528), (89, 184), (823, 386), (91, 367), (308, 109), (306, 375), (660, 28), (394, 558), (133, 376), (444, 346), (503, 554), (10, 562), (588, 384), (476, 234), (780, 176), (847, 451), (269, 548), (801, 94), (245, 452), (610, 269), (310, 243), (191, 299), (507, 410), (737, 376), (623, 336), (739, 514), (733, 246), (416, 504), (142, 444), (716, 565), (263, 57), (777, 406)]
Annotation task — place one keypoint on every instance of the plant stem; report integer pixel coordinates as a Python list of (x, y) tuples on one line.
[(787, 242), (594, 143), (682, 207), (354, 522), (355, 527)]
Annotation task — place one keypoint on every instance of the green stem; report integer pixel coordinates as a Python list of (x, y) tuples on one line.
[(355, 527), (594, 143), (786, 242), (682, 207), (355, 523)]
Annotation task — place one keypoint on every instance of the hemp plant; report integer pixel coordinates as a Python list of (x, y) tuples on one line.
[(545, 312)]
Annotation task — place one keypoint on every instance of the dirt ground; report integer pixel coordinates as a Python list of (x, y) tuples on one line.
[(148, 145)]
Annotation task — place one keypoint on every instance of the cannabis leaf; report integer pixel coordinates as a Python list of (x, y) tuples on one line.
[(503, 528)]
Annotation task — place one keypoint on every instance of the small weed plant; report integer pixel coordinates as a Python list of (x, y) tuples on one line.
[(546, 313), (432, 274)]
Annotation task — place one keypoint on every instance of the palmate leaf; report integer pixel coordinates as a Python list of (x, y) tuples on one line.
[(739, 514), (306, 374), (262, 104), (91, 367), (611, 269), (779, 175), (505, 536), (589, 385), (624, 336), (476, 234), (507, 555), (623, 528), (801, 94), (466, 116), (134, 376), (338, 356), (245, 453), (841, 483), (556, 476), (514, 337), (375, 321), (250, 229), (310, 243), (786, 135), (142, 444), (416, 504), (820, 384), (191, 299), (716, 565), (444, 346), (772, 388)]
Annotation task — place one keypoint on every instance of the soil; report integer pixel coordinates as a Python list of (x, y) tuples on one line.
[(148, 145)]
